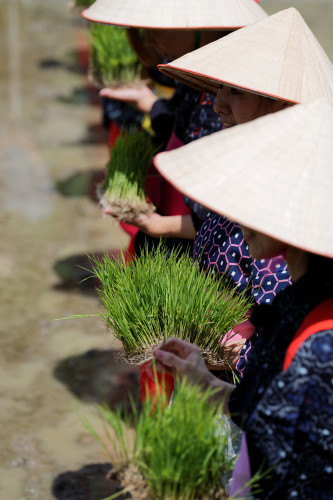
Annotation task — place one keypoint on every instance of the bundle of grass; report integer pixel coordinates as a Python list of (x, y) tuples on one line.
[(79, 5), (82, 3), (112, 60), (123, 189), (174, 453), (163, 294)]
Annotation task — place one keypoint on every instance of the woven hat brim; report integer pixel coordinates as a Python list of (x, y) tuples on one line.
[(273, 174), (173, 14), (278, 57), (206, 84)]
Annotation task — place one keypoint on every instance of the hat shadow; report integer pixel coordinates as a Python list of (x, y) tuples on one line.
[(97, 376), (91, 482)]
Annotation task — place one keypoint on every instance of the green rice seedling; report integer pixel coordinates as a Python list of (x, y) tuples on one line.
[(123, 189), (83, 3), (164, 294), (185, 453), (112, 60), (180, 452)]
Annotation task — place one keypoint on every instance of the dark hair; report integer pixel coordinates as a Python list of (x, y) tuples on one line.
[(136, 38), (320, 268)]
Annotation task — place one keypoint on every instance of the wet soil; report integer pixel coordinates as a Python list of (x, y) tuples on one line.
[(51, 371), (52, 150)]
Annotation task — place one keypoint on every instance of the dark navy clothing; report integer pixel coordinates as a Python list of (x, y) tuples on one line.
[(288, 416), (124, 115), (191, 116), (205, 121), (221, 248), (243, 355), (188, 115)]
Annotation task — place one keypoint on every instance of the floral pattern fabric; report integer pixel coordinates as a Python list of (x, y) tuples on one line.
[(221, 248), (288, 416), (189, 114)]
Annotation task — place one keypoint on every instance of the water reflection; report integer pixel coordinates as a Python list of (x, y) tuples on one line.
[(81, 183), (69, 64), (91, 482), (76, 271), (97, 377), (40, 142), (25, 182)]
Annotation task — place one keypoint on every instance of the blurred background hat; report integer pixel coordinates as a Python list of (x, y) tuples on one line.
[(273, 174), (176, 14), (277, 57)]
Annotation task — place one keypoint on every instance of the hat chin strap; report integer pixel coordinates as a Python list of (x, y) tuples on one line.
[(284, 251)]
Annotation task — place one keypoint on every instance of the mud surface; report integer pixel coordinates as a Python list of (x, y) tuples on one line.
[(52, 150), (52, 146)]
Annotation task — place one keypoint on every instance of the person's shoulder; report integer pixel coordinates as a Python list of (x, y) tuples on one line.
[(314, 357), (321, 343)]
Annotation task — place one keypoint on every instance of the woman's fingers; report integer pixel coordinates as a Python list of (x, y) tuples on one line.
[(109, 211), (179, 357), (179, 347), (141, 98), (129, 94), (169, 360), (140, 221)]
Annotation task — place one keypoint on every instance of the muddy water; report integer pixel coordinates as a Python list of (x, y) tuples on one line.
[(49, 132), (51, 372)]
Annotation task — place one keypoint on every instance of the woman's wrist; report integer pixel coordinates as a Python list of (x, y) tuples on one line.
[(222, 391)]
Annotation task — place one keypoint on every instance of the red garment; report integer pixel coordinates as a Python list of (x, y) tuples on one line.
[(170, 201), (153, 382), (319, 319)]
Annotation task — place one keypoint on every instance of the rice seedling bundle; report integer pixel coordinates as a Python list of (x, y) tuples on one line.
[(176, 453), (123, 189), (112, 60), (164, 294), (83, 3)]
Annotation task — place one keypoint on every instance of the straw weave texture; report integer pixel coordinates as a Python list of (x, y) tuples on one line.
[(274, 174), (176, 14), (278, 57)]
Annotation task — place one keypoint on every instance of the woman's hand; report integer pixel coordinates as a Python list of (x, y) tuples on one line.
[(180, 358), (150, 224), (140, 98), (157, 226)]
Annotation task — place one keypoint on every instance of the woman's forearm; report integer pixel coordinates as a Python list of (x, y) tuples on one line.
[(182, 359), (222, 392), (173, 226), (179, 226)]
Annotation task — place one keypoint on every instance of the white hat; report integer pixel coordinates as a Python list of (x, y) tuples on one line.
[(176, 14), (273, 174), (277, 57)]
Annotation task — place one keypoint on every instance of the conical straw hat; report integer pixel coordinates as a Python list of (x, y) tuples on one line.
[(277, 57), (274, 174), (176, 14)]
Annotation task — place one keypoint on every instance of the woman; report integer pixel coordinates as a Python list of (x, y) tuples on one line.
[(172, 29), (220, 245), (284, 401), (280, 57)]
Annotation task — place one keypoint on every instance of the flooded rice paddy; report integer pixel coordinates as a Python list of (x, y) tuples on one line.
[(52, 145)]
